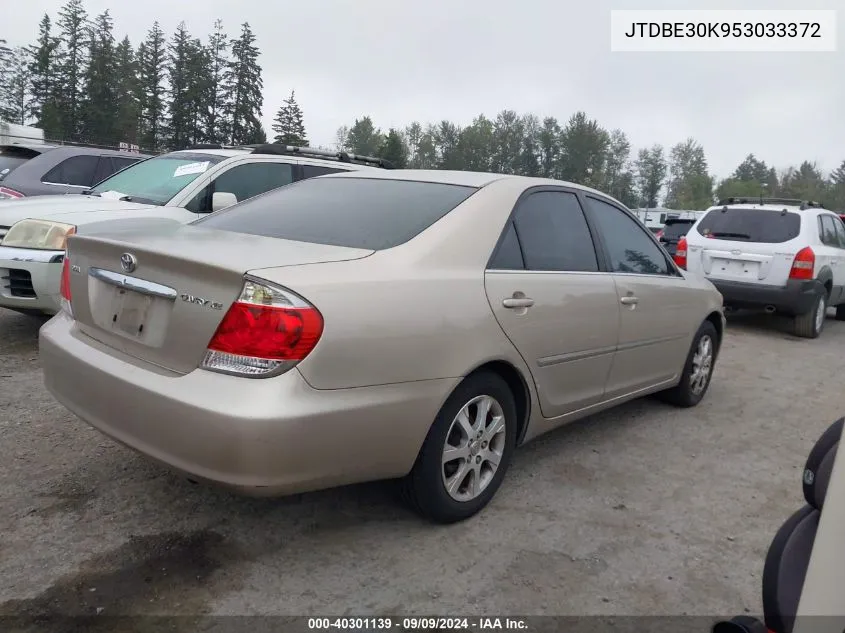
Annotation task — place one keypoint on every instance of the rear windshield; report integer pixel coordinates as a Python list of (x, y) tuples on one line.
[(11, 159), (677, 229), (368, 213), (750, 225)]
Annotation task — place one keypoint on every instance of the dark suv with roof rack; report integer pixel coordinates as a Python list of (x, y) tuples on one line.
[(44, 169)]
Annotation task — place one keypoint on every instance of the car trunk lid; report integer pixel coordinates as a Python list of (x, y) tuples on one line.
[(157, 291)]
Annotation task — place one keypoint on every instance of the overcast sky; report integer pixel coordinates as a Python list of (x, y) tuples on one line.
[(428, 60)]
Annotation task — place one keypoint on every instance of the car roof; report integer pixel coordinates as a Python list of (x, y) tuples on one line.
[(227, 153), (465, 178)]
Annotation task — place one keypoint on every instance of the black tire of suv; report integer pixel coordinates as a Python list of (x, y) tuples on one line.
[(840, 312), (682, 394), (423, 489), (804, 325)]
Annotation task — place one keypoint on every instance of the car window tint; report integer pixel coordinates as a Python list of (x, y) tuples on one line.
[(312, 171), (122, 163), (630, 248), (76, 170), (553, 233), (827, 231), (840, 231), (368, 213), (676, 230), (247, 181), (508, 255), (750, 225), (11, 158)]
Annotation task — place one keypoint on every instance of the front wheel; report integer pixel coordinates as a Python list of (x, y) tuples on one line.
[(698, 369), (466, 452), (810, 325)]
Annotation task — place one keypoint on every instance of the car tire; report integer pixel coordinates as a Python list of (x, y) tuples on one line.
[(807, 325), (693, 385), (840, 312), (425, 487)]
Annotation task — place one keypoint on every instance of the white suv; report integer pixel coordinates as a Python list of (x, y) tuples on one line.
[(784, 256), (181, 186)]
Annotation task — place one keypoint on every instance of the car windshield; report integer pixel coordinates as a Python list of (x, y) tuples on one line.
[(157, 180), (750, 225), (676, 230), (369, 213)]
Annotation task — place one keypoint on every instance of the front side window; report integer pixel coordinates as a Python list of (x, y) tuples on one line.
[(157, 180), (312, 171), (629, 247), (553, 233), (244, 182), (76, 170)]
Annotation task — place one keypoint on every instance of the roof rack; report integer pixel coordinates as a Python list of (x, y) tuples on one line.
[(792, 202), (219, 146), (343, 157)]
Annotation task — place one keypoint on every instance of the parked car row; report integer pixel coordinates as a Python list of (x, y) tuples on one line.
[(359, 325), (180, 186)]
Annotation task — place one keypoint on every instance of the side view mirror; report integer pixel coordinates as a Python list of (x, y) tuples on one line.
[(222, 199)]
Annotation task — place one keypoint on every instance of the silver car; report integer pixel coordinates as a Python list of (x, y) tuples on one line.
[(374, 325)]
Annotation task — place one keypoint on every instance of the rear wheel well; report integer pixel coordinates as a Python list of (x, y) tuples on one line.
[(828, 286), (519, 388), (716, 319)]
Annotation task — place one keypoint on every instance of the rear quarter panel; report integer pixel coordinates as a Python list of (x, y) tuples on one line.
[(418, 311)]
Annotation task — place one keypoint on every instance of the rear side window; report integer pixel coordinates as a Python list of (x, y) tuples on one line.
[(553, 233), (366, 213), (76, 170), (827, 231), (312, 171), (750, 225)]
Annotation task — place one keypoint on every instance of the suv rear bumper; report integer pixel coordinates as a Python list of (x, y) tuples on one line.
[(797, 297)]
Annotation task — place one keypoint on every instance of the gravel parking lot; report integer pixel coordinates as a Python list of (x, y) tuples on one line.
[(643, 510)]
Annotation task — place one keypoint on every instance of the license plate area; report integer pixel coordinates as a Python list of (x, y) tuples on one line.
[(130, 314)]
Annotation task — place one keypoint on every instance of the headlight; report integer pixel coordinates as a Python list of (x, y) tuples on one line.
[(39, 234)]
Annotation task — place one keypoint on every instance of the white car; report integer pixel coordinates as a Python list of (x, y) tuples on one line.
[(781, 256), (180, 186)]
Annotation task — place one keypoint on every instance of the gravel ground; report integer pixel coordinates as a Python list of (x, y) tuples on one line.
[(643, 510)]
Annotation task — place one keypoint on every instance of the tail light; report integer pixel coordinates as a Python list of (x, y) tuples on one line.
[(659, 234), (680, 255), (267, 331), (64, 287), (6, 193), (804, 264)]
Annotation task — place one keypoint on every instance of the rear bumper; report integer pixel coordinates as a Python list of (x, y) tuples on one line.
[(261, 437), (30, 279), (797, 297)]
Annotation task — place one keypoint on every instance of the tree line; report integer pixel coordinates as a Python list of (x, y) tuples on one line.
[(580, 150), (79, 84)]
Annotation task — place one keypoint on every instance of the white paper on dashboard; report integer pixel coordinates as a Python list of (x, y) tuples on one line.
[(112, 195), (191, 168)]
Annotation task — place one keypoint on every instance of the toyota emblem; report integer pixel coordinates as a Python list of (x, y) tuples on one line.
[(128, 262)]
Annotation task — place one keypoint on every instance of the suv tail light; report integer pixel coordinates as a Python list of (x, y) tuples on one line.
[(804, 264), (680, 256), (659, 234), (64, 288), (267, 331), (6, 193)]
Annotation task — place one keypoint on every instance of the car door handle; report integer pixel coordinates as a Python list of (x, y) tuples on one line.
[(629, 301), (518, 303)]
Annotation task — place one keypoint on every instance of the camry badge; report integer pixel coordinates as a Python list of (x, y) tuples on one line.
[(128, 262)]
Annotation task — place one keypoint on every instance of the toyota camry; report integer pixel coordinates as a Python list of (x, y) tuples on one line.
[(412, 325)]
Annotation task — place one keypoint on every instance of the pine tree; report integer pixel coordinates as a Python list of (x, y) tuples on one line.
[(100, 107), (128, 112), (214, 120), (243, 85), (179, 74), (152, 68), (45, 84), (394, 149), (73, 30), (14, 85), (199, 81), (363, 137), (288, 125)]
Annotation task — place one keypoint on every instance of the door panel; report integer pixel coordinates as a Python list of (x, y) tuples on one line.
[(839, 269), (567, 337), (657, 311), (654, 332)]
